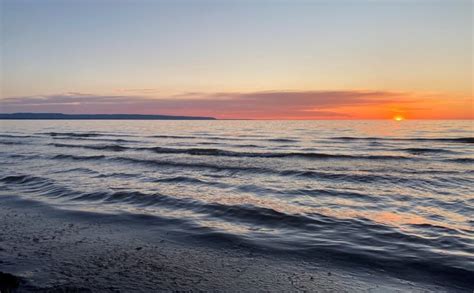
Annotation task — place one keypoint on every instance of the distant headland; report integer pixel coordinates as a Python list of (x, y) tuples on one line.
[(61, 116)]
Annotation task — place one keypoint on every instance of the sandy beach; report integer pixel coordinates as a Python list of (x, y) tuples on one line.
[(53, 250)]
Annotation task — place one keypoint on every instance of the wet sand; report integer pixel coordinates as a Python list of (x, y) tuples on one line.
[(58, 250)]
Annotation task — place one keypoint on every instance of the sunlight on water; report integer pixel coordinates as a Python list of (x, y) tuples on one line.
[(402, 190)]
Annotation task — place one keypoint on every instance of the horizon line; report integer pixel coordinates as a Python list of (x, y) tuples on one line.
[(195, 117)]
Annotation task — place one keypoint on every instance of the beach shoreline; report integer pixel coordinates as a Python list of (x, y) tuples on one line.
[(57, 249)]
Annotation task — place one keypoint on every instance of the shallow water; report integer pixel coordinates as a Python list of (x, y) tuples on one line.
[(391, 194)]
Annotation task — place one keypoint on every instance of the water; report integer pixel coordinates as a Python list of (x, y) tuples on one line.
[(394, 195)]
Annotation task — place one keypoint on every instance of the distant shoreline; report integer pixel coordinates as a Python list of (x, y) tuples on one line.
[(60, 116)]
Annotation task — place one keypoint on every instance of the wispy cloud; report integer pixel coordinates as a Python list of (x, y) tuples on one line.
[(143, 91), (265, 104)]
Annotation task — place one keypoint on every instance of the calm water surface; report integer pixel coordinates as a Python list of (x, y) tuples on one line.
[(374, 192)]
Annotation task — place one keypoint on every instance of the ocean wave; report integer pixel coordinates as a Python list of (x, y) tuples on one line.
[(320, 175), (243, 212), (226, 138), (115, 148), (462, 160), (12, 142), (183, 179), (357, 240), (73, 134), (82, 134), (77, 170), (175, 136), (427, 151), (307, 155), (116, 140), (282, 140), (14, 136), (78, 158), (117, 175), (233, 138), (228, 153), (397, 203), (17, 179)]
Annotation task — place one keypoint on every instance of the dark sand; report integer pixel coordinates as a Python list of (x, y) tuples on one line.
[(56, 250)]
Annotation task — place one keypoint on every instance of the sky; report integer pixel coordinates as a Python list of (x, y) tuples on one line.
[(237, 59)]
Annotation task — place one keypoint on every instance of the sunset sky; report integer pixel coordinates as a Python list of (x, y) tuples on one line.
[(254, 59)]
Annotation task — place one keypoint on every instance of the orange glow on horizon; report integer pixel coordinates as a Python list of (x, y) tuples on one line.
[(264, 105)]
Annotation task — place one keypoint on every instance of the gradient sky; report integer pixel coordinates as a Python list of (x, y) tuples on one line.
[(239, 59)]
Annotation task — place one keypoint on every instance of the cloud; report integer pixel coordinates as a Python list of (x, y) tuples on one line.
[(139, 91), (265, 104)]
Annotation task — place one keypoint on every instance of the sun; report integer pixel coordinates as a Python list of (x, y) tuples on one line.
[(398, 118)]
